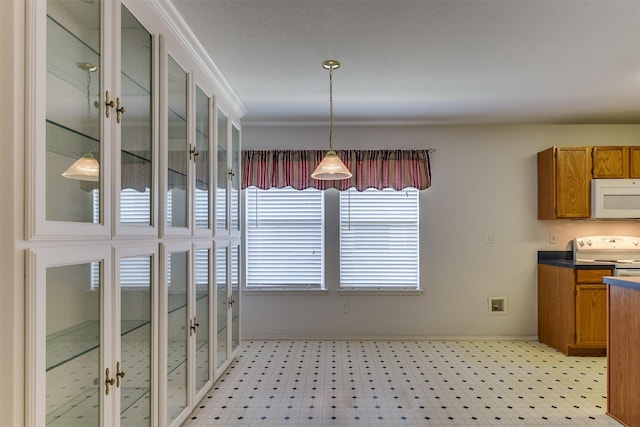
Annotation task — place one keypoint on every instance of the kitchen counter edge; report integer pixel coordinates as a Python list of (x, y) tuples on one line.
[(626, 282), (565, 259)]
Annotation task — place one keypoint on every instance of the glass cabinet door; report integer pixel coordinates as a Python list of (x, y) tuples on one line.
[(177, 279), (202, 161), (221, 312), (133, 369), (74, 344), (235, 297), (74, 148), (69, 337), (235, 180), (200, 323), (222, 177), (176, 203), (136, 154)]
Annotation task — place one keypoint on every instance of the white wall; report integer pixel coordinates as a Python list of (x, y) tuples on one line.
[(483, 181)]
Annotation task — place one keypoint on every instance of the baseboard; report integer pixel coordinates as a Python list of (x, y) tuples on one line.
[(246, 337)]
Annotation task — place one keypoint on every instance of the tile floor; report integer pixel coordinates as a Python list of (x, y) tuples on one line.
[(406, 383)]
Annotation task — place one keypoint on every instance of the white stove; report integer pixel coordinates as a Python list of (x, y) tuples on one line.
[(623, 252)]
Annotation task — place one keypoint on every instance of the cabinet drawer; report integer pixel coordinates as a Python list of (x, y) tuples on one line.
[(592, 276)]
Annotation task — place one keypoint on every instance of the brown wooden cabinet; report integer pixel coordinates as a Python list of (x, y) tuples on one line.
[(611, 162), (623, 363), (564, 183), (616, 162), (572, 309)]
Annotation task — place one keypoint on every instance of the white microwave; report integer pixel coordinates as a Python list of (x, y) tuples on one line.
[(615, 198)]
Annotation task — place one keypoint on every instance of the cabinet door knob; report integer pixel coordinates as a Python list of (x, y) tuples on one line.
[(119, 110), (119, 374), (108, 104), (108, 381)]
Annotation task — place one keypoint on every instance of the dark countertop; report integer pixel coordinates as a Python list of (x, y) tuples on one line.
[(565, 259), (627, 282)]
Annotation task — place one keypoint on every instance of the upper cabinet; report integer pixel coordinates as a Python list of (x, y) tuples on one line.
[(125, 117), (616, 162), (564, 180), (565, 174), (71, 68), (610, 162), (228, 177)]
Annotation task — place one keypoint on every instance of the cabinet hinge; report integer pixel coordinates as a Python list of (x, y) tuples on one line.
[(575, 337), (575, 292)]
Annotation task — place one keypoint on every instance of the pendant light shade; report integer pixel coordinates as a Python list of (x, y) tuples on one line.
[(86, 168), (331, 167)]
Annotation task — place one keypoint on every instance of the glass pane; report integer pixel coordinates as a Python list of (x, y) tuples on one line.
[(202, 160), (221, 190), (73, 345), (202, 317), (73, 113), (235, 178), (221, 311), (135, 338), (235, 298), (177, 318), (177, 146), (136, 138)]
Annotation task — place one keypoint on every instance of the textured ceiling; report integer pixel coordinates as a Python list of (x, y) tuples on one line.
[(427, 62)]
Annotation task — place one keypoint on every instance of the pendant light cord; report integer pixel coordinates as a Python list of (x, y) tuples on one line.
[(331, 109)]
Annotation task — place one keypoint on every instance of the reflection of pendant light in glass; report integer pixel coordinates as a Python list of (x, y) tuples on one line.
[(331, 167), (86, 168)]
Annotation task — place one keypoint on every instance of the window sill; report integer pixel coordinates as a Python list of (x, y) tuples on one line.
[(274, 291), (378, 291)]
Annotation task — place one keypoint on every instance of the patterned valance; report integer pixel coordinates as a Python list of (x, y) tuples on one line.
[(379, 169)]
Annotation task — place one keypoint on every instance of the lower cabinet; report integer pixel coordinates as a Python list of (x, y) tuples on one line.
[(125, 335), (572, 309)]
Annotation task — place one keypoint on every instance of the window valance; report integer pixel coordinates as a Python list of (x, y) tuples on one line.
[(379, 169)]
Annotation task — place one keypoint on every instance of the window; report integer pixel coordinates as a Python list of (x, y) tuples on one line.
[(379, 239), (284, 238)]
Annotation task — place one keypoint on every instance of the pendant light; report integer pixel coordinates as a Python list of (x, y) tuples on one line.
[(331, 167), (86, 168)]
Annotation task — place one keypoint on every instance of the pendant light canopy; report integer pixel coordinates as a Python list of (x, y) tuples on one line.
[(331, 167), (86, 168)]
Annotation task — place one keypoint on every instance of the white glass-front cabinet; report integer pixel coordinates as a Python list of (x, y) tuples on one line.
[(186, 304), (132, 166), (227, 321), (91, 337), (228, 177)]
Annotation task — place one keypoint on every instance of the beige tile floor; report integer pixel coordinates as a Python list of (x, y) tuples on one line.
[(406, 383)]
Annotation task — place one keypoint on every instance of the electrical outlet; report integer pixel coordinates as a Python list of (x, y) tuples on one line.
[(553, 239), (488, 238), (345, 307)]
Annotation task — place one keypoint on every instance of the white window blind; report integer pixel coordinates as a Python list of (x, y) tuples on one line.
[(379, 239), (285, 238)]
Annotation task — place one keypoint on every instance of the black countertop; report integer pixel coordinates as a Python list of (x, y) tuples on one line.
[(565, 259)]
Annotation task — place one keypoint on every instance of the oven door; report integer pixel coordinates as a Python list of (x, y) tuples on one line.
[(626, 272)]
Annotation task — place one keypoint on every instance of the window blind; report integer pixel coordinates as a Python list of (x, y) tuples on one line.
[(379, 238), (284, 238)]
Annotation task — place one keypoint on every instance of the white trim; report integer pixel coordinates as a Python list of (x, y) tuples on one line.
[(191, 43), (287, 291), (378, 291), (390, 338)]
